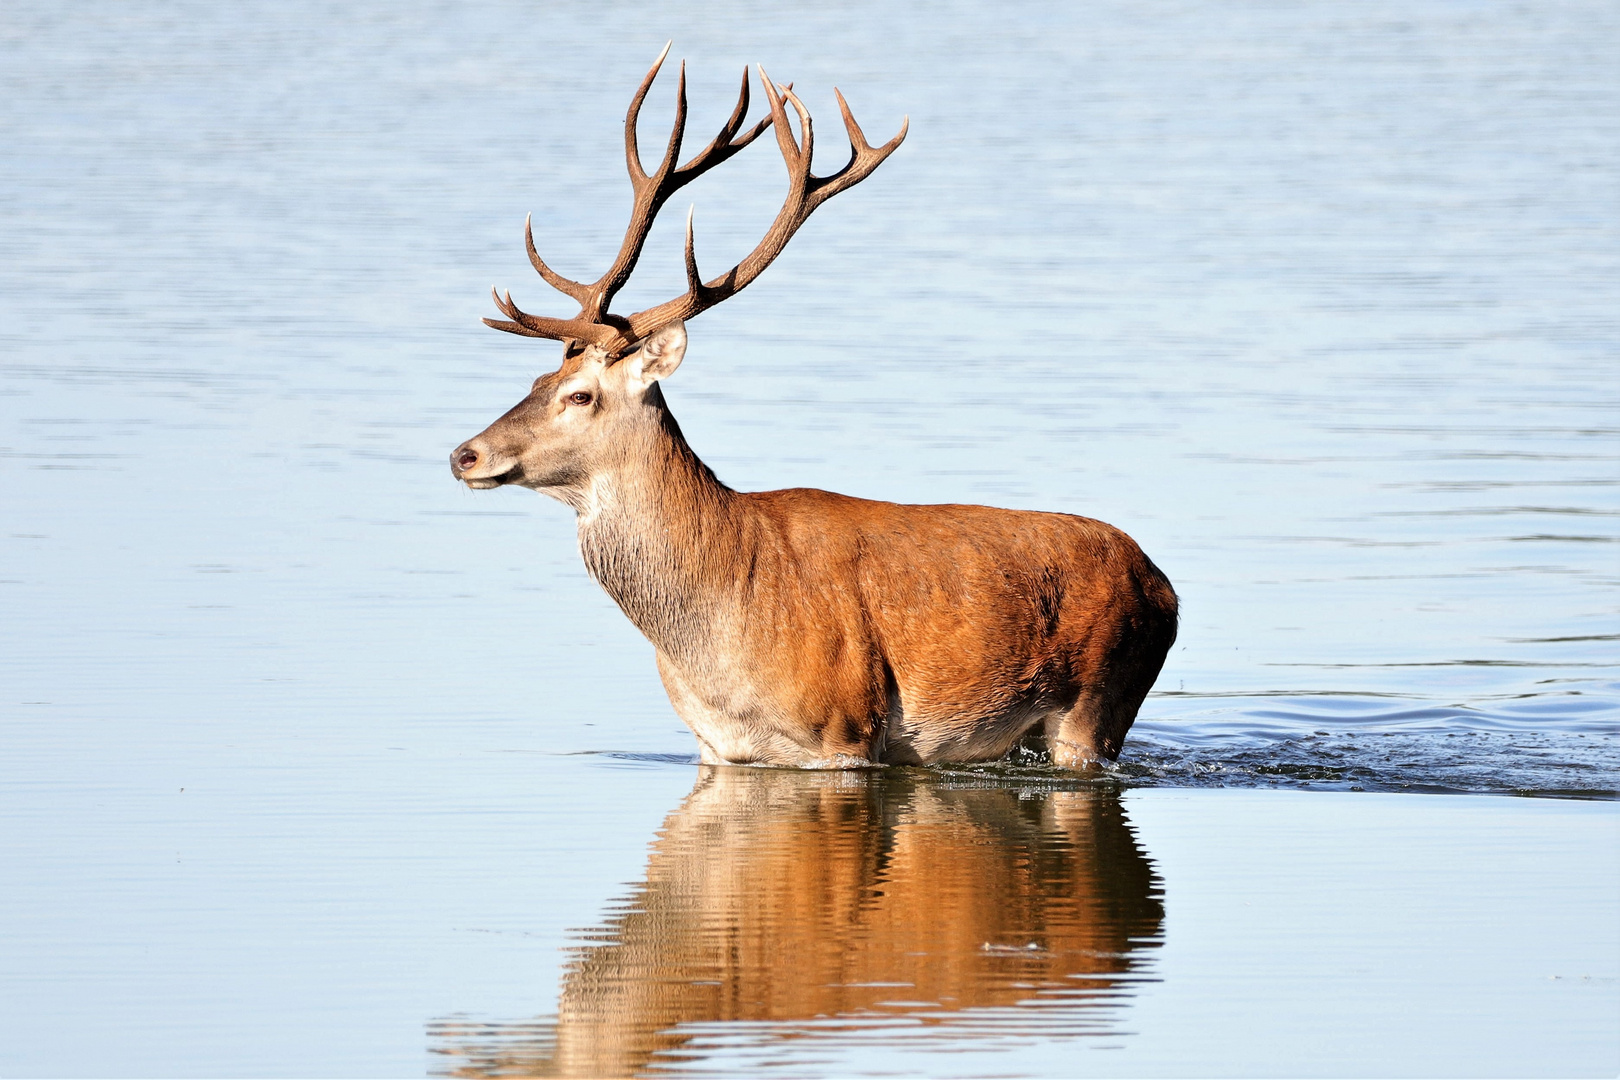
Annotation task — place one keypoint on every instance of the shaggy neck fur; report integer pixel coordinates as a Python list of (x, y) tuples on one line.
[(654, 527)]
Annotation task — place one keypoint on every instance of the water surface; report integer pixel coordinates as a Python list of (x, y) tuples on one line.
[(1315, 301), (894, 923)]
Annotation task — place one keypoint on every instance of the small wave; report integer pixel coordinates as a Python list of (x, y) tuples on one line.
[(1560, 744), (627, 759)]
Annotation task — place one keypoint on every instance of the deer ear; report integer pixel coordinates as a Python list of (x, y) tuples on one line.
[(658, 355)]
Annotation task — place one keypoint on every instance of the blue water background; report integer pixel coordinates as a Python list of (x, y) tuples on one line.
[(1316, 301)]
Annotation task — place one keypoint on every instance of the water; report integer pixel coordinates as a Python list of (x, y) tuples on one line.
[(1314, 301), (892, 924), (963, 927)]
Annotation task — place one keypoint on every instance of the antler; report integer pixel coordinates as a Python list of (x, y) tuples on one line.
[(594, 324)]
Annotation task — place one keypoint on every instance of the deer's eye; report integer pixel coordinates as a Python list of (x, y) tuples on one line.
[(580, 397)]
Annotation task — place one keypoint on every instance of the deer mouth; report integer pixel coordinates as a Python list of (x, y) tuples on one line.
[(484, 483)]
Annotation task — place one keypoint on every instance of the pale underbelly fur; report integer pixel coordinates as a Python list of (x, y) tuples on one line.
[(743, 731)]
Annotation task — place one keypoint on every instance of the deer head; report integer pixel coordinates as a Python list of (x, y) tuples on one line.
[(563, 431)]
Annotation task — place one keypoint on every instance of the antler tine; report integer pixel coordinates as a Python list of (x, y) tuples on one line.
[(694, 284), (729, 128), (632, 155), (541, 327), (672, 152), (796, 155), (638, 175), (701, 295), (566, 286)]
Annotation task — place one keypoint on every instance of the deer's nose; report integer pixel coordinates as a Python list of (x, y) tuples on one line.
[(463, 458)]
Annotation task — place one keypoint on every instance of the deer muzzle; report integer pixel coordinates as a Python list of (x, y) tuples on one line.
[(475, 465)]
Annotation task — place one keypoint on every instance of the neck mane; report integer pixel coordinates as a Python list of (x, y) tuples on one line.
[(657, 531)]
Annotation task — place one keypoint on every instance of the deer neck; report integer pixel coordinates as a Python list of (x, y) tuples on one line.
[(658, 532)]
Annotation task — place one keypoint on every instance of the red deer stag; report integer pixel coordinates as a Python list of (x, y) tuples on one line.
[(801, 627)]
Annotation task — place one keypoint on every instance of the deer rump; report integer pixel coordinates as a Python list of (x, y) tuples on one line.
[(867, 632), (802, 627)]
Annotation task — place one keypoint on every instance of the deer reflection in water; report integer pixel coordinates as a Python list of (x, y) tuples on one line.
[(817, 902)]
